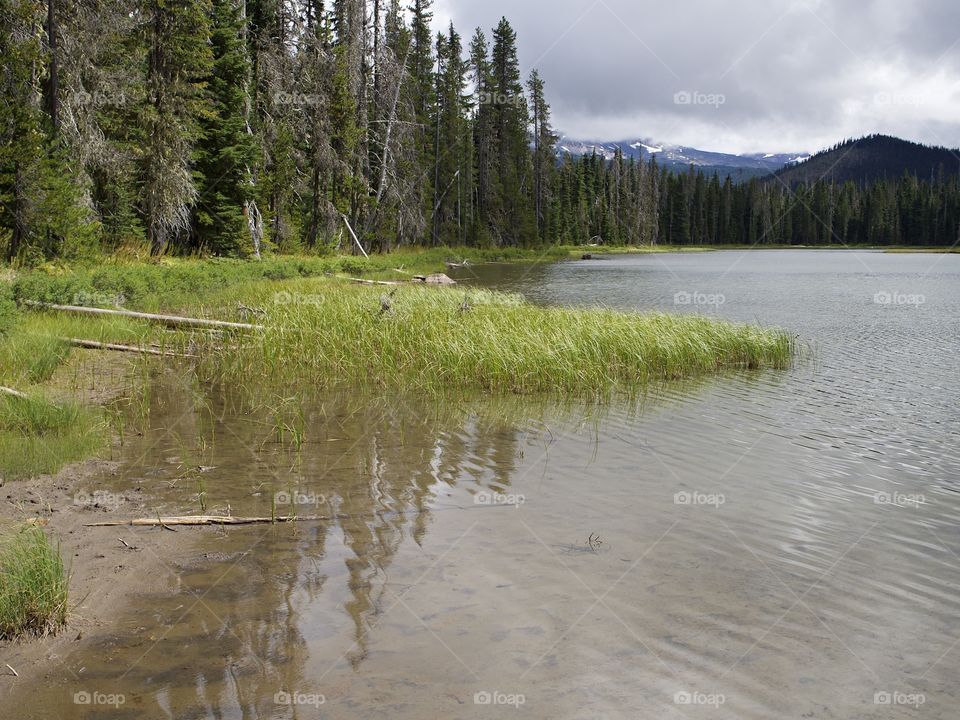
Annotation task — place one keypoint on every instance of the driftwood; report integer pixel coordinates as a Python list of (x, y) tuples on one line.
[(14, 393), (363, 281), (214, 520), (169, 320), (94, 345)]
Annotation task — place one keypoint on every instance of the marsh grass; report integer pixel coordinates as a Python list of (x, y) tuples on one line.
[(33, 583), (37, 436), (432, 339), (33, 349)]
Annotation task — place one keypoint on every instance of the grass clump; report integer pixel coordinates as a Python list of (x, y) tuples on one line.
[(8, 308), (33, 583), (36, 347), (436, 338), (38, 437)]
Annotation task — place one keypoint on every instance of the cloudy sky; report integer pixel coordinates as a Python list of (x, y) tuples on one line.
[(738, 75)]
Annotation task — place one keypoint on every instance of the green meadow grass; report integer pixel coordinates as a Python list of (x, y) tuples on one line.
[(33, 583), (189, 283)]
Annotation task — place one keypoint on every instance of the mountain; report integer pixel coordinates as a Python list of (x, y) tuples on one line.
[(680, 158), (871, 158)]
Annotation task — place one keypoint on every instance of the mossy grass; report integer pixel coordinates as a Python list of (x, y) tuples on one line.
[(431, 339), (33, 583)]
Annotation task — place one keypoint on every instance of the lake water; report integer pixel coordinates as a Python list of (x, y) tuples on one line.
[(776, 544)]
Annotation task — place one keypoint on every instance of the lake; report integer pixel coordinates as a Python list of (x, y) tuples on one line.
[(772, 544)]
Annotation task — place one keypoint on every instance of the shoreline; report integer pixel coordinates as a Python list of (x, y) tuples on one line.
[(104, 572)]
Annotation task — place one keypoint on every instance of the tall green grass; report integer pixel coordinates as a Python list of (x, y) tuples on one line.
[(432, 339), (37, 436), (33, 583)]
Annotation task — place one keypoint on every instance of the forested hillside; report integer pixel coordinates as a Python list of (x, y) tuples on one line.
[(231, 127), (215, 125), (872, 158)]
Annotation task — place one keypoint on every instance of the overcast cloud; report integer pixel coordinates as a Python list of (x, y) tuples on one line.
[(752, 75)]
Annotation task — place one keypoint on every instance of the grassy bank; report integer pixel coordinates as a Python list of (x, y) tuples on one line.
[(320, 331), (327, 331), (38, 436), (33, 583), (180, 283), (436, 339)]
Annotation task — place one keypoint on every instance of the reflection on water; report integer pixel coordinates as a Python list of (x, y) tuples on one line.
[(761, 545)]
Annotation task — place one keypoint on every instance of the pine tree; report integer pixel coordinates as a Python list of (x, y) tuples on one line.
[(483, 138), (41, 188), (511, 212), (453, 164), (544, 155), (226, 150), (179, 60)]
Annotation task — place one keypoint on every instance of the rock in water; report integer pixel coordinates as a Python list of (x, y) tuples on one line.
[(439, 279)]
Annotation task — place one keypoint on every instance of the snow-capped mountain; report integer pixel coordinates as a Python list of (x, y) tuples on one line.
[(677, 157)]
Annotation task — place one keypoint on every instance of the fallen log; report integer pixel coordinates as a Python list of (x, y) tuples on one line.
[(14, 393), (169, 320), (363, 281), (214, 520), (94, 345)]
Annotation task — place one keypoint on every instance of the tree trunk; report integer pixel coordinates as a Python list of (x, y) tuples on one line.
[(19, 210), (53, 86)]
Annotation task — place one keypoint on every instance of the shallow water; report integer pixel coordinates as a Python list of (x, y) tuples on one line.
[(758, 545)]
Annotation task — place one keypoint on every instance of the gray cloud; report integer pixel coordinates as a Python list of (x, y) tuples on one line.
[(794, 75)]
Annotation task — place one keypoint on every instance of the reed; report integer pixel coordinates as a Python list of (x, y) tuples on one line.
[(37, 436), (33, 583), (430, 339)]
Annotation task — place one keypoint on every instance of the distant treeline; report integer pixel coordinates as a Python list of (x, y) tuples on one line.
[(622, 201), (224, 126)]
